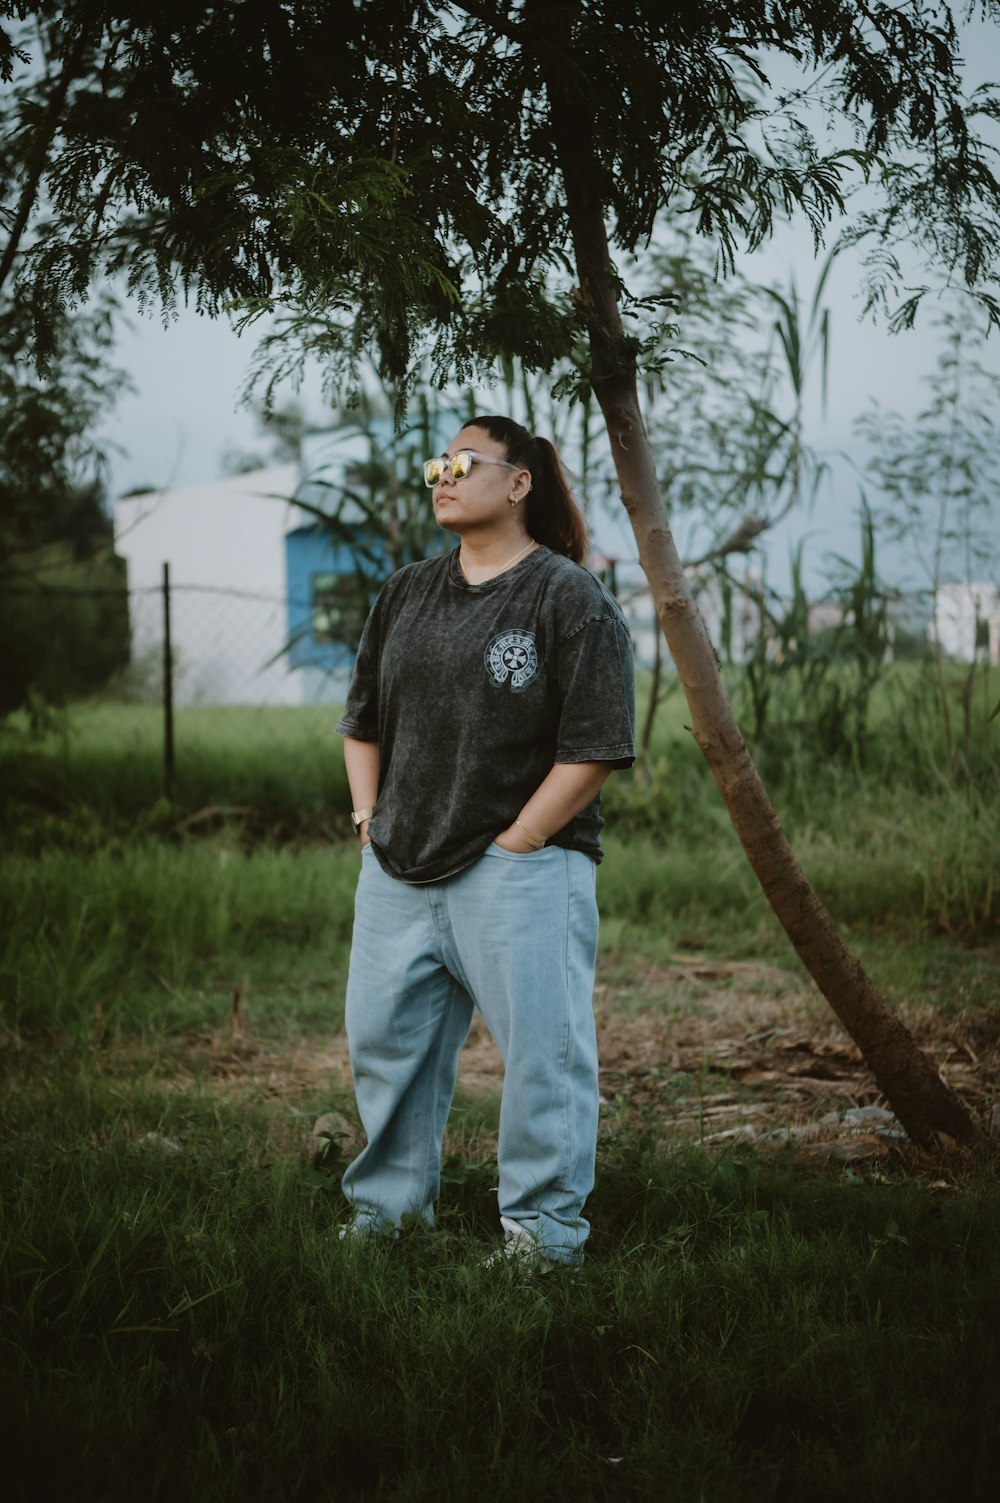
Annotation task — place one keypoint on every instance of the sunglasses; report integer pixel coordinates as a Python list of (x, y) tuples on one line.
[(459, 466)]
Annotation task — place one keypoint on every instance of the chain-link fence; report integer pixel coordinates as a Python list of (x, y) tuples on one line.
[(231, 647), (193, 683), (169, 675), (194, 671)]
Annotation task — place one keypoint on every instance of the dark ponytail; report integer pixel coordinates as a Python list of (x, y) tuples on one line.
[(551, 513)]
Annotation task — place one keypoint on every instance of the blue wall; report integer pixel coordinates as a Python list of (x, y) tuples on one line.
[(318, 561), (312, 555)]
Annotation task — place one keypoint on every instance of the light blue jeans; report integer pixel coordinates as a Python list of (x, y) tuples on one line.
[(515, 936)]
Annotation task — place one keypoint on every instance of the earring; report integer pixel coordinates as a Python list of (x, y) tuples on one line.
[(512, 502)]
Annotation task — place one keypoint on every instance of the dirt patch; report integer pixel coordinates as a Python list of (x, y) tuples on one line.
[(696, 1048), (736, 1047)]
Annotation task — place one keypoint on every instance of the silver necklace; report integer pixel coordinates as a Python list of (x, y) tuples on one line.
[(506, 565)]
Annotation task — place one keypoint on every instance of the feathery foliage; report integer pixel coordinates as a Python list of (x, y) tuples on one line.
[(387, 175)]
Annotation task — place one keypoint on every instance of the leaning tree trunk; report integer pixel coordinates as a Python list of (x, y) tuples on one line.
[(925, 1105)]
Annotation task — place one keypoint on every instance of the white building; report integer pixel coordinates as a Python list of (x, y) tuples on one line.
[(732, 623), (224, 543), (967, 615), (259, 588)]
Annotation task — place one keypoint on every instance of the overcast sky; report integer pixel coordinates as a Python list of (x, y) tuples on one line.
[(185, 413)]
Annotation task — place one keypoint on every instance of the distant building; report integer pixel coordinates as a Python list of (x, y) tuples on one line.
[(966, 620), (731, 616), (224, 543), (267, 598)]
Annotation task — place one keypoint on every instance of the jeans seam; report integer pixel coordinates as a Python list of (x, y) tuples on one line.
[(573, 890), (567, 1030)]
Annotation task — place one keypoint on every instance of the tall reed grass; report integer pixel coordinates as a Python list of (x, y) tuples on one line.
[(154, 935), (150, 933), (112, 898), (99, 769)]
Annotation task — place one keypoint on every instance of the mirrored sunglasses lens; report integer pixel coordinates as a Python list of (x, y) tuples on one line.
[(460, 464), (433, 470)]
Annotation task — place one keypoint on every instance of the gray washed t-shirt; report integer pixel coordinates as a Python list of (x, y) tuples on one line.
[(473, 692)]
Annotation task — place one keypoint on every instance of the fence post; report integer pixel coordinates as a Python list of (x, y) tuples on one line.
[(168, 691)]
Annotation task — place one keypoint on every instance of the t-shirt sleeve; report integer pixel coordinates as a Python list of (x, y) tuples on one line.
[(597, 684), (360, 717)]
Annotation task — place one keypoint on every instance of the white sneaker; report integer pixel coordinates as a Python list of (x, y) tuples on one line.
[(362, 1230), (520, 1248)]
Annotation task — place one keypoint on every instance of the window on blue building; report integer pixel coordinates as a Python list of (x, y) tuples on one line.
[(339, 608)]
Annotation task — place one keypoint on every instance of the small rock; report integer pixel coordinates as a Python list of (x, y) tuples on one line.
[(159, 1142), (333, 1133), (749, 1132), (800, 1133), (869, 1115), (332, 1125)]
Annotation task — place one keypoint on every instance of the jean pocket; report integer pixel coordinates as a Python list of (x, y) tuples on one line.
[(498, 850)]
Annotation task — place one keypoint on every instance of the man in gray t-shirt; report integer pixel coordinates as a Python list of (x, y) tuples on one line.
[(474, 692)]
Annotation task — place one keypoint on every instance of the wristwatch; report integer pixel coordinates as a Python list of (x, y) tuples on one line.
[(358, 817)]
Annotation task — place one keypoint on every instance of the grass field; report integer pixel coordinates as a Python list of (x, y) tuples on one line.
[(778, 1302)]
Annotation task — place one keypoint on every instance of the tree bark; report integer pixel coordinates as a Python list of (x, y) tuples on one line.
[(927, 1108)]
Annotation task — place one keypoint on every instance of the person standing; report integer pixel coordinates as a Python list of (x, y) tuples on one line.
[(492, 695)]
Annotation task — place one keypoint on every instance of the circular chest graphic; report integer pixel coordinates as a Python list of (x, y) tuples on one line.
[(512, 655)]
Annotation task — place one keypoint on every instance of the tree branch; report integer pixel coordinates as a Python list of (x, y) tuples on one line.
[(39, 152), (497, 21), (740, 540)]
